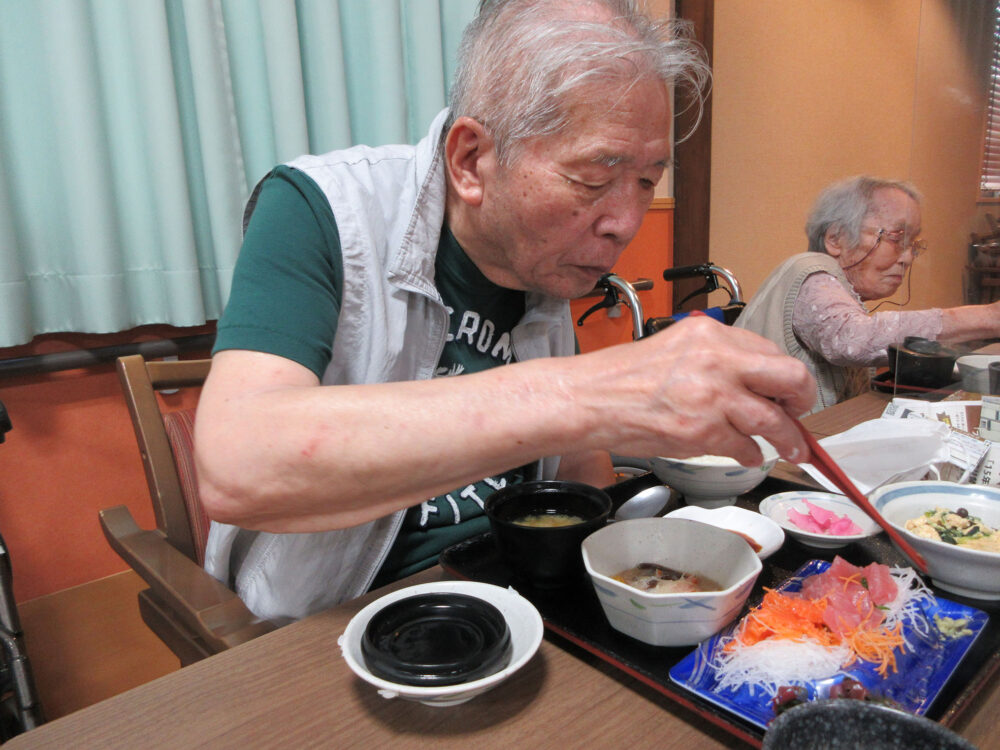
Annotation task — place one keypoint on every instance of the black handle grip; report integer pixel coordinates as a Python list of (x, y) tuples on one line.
[(688, 272)]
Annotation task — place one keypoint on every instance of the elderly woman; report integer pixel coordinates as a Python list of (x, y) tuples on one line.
[(863, 235)]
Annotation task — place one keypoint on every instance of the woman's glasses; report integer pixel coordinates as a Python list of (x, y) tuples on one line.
[(900, 241)]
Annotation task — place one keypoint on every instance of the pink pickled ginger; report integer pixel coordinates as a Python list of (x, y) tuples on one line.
[(822, 521)]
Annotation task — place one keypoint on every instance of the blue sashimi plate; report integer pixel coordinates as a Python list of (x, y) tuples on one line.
[(922, 669)]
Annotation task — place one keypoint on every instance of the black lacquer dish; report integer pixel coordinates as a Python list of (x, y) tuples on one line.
[(436, 639)]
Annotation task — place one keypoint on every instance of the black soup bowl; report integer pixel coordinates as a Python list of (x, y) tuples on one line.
[(546, 556)]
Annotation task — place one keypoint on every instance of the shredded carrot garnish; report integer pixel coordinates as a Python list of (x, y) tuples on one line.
[(785, 616), (877, 646)]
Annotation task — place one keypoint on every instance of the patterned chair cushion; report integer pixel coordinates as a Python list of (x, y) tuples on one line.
[(180, 433)]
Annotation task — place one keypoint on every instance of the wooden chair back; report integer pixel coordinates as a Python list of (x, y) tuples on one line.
[(176, 505), (193, 614)]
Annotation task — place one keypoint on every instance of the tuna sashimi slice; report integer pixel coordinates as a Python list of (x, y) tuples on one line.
[(880, 583)]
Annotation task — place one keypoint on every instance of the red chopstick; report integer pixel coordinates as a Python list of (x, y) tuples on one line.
[(829, 468)]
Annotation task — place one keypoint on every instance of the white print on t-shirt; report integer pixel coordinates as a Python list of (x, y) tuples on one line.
[(469, 492), (447, 372), (480, 334)]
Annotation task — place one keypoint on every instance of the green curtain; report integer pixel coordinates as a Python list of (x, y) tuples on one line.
[(132, 131)]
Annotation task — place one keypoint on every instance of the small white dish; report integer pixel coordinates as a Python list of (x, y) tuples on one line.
[(522, 618), (767, 535), (776, 508)]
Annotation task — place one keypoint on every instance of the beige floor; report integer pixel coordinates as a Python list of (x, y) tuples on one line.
[(88, 643)]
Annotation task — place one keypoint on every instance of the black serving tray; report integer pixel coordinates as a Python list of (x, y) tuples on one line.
[(575, 614), (884, 383)]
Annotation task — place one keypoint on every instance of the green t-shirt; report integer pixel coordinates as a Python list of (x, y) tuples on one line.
[(285, 300)]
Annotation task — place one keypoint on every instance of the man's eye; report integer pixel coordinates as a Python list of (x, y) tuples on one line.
[(593, 186), (647, 184)]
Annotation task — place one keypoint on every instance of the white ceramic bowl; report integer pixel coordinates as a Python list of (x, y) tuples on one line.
[(776, 508), (682, 544), (766, 533), (963, 571), (713, 481), (974, 371), (522, 618)]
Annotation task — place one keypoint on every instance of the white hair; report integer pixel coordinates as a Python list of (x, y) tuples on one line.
[(522, 62), (843, 206)]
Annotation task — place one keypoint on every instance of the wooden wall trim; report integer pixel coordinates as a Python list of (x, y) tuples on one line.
[(662, 204), (693, 165)]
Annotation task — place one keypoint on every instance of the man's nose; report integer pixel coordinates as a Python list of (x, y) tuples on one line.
[(622, 213)]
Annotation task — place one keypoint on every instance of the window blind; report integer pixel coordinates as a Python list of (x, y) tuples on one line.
[(989, 182)]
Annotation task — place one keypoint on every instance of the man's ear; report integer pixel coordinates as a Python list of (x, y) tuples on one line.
[(469, 155)]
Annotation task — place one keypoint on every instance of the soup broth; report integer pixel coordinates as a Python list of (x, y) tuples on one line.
[(659, 579), (548, 520)]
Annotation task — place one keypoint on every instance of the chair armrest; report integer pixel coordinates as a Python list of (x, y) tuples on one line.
[(213, 611)]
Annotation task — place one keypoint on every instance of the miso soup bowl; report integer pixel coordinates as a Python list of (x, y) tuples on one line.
[(546, 556), (684, 545)]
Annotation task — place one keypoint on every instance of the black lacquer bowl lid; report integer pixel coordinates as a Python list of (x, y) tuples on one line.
[(436, 639)]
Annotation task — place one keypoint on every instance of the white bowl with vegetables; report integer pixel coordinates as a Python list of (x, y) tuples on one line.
[(948, 540)]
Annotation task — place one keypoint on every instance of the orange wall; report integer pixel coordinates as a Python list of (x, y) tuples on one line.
[(71, 452), (808, 92), (646, 257)]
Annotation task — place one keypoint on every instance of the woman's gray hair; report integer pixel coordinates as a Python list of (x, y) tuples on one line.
[(843, 206), (521, 61)]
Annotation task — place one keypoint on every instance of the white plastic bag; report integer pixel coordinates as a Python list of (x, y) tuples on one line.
[(881, 451)]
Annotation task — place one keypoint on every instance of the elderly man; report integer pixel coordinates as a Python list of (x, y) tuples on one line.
[(333, 454)]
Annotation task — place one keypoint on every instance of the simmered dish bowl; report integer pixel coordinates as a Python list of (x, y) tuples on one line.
[(952, 565), (670, 548)]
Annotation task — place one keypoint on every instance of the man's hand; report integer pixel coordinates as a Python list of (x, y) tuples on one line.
[(699, 387)]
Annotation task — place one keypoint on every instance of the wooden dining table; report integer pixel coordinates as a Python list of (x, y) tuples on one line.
[(292, 688)]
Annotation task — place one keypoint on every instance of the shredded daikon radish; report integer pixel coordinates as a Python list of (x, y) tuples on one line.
[(772, 663), (907, 607)]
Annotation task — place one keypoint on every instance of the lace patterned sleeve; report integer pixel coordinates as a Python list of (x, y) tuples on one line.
[(832, 321)]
